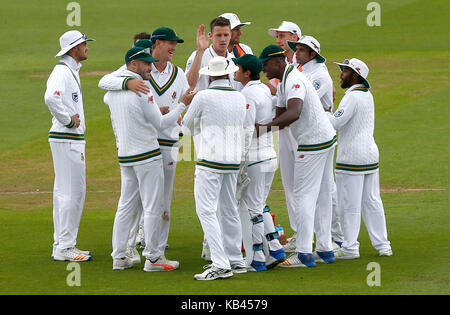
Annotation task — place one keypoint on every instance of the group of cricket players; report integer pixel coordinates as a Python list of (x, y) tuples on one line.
[(232, 116)]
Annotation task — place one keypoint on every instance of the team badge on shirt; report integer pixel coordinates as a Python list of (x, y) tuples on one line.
[(150, 99), (174, 95), (296, 86), (316, 84), (339, 113), (75, 96)]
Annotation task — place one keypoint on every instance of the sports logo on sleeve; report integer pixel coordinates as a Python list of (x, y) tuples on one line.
[(75, 97), (316, 84), (339, 113), (296, 86)]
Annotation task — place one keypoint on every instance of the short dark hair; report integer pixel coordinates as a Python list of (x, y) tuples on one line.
[(253, 76), (142, 35), (219, 21)]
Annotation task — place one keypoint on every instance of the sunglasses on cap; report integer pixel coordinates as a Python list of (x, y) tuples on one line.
[(143, 51), (82, 37)]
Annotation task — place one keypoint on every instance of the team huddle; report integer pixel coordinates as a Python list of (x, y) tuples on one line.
[(232, 116)]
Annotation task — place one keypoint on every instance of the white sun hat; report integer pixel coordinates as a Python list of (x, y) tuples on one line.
[(286, 26), (70, 39), (309, 41), (219, 66), (358, 66), (234, 20)]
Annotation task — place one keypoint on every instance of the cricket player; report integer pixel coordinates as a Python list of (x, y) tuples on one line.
[(220, 36), (260, 159), (64, 99), (357, 168), (308, 56), (299, 106), (168, 84), (136, 121), (287, 145), (220, 111), (235, 46)]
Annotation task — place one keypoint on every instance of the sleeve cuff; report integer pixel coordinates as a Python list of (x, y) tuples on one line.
[(71, 124)]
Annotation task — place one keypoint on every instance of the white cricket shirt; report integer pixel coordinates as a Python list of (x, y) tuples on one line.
[(168, 87), (357, 152), (64, 99), (259, 100), (312, 130), (318, 74), (220, 112), (136, 121), (203, 80)]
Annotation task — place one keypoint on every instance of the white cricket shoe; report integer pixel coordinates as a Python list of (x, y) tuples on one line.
[(140, 239), (239, 268), (386, 253), (290, 246), (213, 273), (70, 254), (162, 264), (206, 253), (340, 254), (82, 252), (133, 254), (122, 263)]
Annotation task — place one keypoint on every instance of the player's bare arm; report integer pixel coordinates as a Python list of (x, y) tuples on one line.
[(138, 86), (202, 44), (283, 119)]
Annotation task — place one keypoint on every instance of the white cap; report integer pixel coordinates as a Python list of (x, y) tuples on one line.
[(234, 20), (358, 66), (70, 39), (286, 27), (309, 41), (219, 66)]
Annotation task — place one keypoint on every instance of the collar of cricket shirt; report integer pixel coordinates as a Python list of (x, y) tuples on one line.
[(310, 65), (355, 86), (220, 83), (69, 61), (128, 73)]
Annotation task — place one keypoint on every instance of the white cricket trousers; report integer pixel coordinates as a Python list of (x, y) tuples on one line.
[(143, 184), (287, 147), (360, 194), (169, 158), (217, 210), (69, 191), (313, 186)]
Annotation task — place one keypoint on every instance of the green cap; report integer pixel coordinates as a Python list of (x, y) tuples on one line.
[(165, 33), (272, 51), (249, 62), (139, 53), (144, 43)]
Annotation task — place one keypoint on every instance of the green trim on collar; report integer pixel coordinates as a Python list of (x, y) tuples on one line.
[(222, 88), (160, 90)]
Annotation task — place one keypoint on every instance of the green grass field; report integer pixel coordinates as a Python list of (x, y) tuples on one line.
[(409, 61)]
